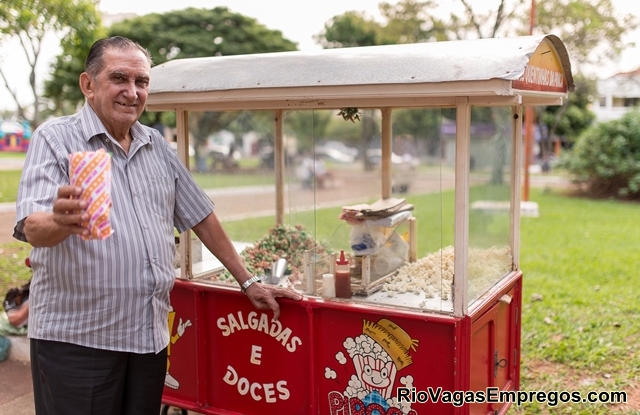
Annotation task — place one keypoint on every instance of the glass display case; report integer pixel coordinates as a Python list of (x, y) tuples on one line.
[(383, 183), (400, 248)]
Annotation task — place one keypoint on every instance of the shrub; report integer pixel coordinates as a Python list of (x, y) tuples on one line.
[(606, 158)]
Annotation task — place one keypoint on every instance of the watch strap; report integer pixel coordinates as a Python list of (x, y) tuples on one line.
[(248, 283)]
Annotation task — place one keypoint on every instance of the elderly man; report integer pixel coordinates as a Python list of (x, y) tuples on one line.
[(98, 308)]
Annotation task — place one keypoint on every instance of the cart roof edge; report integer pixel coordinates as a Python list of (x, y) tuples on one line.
[(536, 66)]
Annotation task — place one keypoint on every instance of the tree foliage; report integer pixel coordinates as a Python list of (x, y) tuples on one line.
[(30, 21), (193, 32), (405, 22), (572, 117), (186, 33), (62, 89), (507, 18), (350, 30), (409, 21), (591, 30), (607, 158)]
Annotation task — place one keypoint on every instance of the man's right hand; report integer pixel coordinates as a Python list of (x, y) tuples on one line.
[(67, 218)]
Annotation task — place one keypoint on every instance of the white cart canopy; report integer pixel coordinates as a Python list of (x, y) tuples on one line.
[(529, 70)]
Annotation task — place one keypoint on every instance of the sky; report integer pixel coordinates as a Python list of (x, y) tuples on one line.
[(298, 20)]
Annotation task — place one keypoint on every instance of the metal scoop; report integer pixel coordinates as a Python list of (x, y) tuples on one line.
[(278, 269)]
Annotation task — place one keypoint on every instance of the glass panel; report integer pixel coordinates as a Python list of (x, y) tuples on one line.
[(423, 173), (333, 171), (490, 199), (231, 159)]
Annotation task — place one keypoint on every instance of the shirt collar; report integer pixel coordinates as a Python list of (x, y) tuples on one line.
[(92, 126)]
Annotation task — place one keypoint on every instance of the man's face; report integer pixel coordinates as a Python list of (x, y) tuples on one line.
[(119, 92)]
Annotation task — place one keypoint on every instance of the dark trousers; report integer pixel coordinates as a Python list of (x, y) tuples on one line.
[(74, 380)]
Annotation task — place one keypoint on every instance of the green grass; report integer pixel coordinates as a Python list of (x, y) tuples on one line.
[(581, 299), (9, 180), (13, 271), (12, 155)]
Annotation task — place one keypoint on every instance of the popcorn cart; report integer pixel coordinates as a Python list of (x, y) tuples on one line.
[(430, 323)]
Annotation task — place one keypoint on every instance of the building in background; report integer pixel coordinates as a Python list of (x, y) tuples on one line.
[(617, 95), (14, 135)]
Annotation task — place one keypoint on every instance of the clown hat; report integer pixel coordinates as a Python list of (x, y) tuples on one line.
[(393, 339)]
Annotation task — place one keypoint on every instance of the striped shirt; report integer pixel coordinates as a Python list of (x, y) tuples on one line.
[(110, 294)]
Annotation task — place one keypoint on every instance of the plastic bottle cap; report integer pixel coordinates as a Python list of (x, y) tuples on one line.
[(342, 260)]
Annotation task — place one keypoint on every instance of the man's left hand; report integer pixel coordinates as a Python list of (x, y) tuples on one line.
[(263, 297)]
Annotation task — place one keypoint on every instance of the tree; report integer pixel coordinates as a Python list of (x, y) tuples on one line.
[(405, 22), (571, 118), (350, 30), (30, 21), (607, 158), (193, 32), (408, 21), (590, 29), (507, 19), (62, 89)]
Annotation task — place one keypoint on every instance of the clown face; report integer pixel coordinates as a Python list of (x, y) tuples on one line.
[(376, 374)]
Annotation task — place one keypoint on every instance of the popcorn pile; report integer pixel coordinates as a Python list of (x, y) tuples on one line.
[(433, 274)]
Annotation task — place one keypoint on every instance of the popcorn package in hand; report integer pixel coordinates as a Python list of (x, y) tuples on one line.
[(91, 170)]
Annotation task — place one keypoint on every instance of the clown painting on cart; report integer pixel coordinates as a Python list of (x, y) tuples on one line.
[(378, 355)]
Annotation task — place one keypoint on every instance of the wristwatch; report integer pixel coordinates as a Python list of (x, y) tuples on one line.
[(248, 283)]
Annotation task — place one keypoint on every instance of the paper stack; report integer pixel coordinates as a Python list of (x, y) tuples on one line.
[(383, 208)]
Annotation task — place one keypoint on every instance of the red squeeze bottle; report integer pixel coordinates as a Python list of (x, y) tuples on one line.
[(343, 277)]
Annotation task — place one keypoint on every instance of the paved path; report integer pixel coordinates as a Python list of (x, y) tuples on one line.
[(16, 393)]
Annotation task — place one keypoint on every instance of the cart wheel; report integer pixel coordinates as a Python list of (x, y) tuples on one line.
[(165, 410)]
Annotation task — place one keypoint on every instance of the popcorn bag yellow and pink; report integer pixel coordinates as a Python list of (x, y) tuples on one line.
[(91, 170)]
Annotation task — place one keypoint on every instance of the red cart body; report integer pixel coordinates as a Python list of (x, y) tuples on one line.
[(338, 358)]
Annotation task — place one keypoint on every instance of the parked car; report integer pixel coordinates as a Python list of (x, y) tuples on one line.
[(336, 151), (375, 157)]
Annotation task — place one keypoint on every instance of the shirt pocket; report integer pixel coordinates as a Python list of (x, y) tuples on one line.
[(160, 194)]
